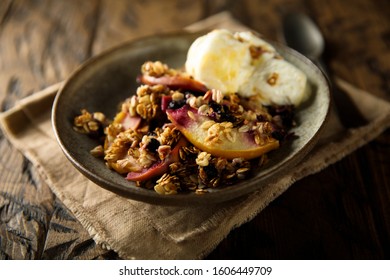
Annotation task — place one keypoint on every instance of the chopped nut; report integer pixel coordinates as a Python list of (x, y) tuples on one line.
[(203, 159), (133, 101), (177, 96), (98, 151), (99, 117), (256, 51), (163, 151), (192, 101), (93, 125), (273, 79)]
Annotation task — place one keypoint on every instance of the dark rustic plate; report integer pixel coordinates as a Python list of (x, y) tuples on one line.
[(104, 81)]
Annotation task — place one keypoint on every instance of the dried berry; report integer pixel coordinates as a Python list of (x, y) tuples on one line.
[(210, 171), (221, 113), (176, 104), (284, 115), (153, 145)]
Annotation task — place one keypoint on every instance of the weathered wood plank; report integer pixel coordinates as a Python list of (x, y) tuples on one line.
[(42, 42), (120, 21), (25, 207), (68, 239)]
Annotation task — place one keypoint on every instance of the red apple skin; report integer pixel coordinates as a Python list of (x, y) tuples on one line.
[(165, 100), (159, 168), (244, 145), (174, 82), (129, 122)]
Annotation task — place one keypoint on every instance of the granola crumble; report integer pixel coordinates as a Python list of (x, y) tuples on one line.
[(155, 141)]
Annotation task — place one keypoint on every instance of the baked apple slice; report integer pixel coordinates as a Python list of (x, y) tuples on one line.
[(127, 121), (221, 138), (160, 167), (174, 82)]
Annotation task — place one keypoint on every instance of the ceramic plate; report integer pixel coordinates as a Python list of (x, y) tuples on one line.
[(104, 81)]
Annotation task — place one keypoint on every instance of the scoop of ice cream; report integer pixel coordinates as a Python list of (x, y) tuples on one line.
[(277, 82), (220, 61), (259, 49), (243, 63)]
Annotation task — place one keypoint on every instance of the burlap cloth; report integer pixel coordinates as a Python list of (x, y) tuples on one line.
[(142, 231)]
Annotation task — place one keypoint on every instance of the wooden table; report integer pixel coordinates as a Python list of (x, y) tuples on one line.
[(341, 213)]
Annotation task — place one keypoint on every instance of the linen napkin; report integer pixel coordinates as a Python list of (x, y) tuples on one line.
[(137, 230)]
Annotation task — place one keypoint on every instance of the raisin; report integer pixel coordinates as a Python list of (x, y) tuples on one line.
[(217, 108), (176, 104), (153, 145), (284, 114), (226, 115), (221, 113), (210, 171)]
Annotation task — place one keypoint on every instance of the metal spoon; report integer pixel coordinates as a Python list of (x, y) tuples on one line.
[(302, 34)]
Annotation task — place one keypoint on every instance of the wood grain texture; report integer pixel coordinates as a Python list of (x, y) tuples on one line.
[(341, 213)]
